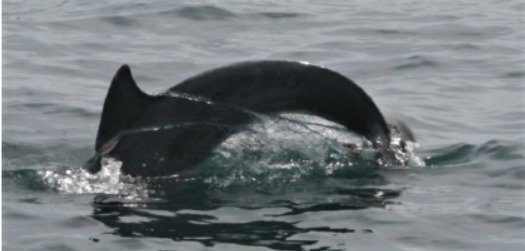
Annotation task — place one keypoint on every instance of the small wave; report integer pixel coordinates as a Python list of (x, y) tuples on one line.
[(201, 13), (499, 150), (466, 153), (392, 32), (214, 13), (120, 21), (464, 47), (514, 74), (18, 156), (280, 15), (16, 8), (416, 62)]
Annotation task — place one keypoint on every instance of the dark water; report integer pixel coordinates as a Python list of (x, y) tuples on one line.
[(454, 71)]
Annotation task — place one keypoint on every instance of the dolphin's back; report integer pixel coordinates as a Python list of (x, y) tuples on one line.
[(285, 86), (167, 134)]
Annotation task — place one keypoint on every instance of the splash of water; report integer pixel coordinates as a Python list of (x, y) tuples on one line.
[(281, 151), (108, 181), (404, 152)]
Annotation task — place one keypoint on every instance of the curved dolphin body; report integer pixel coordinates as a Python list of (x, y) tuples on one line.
[(168, 133)]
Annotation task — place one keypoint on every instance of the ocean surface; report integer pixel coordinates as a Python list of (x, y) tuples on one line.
[(454, 71)]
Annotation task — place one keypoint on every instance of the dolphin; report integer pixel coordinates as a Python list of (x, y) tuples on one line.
[(165, 134)]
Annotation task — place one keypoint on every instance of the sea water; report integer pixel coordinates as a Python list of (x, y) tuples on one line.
[(454, 71)]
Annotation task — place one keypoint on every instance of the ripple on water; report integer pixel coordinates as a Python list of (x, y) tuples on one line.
[(202, 13)]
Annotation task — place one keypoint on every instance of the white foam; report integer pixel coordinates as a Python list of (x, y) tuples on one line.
[(107, 181)]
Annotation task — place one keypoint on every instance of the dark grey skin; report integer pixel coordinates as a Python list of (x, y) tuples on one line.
[(195, 116)]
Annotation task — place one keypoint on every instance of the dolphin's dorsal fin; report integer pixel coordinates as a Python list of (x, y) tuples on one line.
[(124, 104)]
